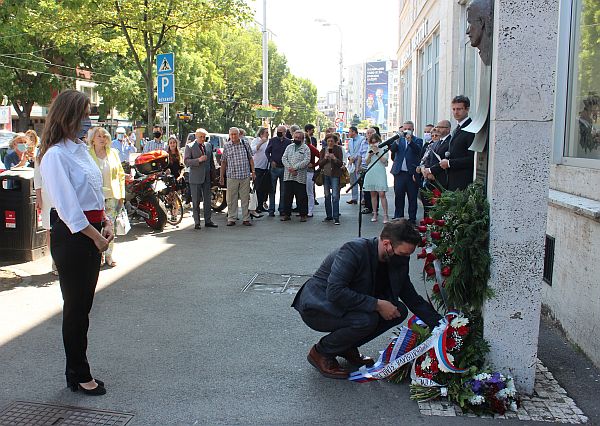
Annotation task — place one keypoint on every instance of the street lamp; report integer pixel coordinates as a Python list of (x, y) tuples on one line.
[(325, 23)]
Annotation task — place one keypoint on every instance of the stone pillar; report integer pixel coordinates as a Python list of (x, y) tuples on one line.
[(521, 114)]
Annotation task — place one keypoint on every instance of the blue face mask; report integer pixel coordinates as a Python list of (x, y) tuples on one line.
[(22, 147), (426, 137), (85, 125)]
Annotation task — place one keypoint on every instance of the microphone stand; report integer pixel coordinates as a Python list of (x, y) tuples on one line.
[(360, 182)]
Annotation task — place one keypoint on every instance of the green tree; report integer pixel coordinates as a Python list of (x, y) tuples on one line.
[(148, 27)]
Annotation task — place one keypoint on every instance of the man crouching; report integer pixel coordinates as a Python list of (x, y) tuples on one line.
[(354, 296)]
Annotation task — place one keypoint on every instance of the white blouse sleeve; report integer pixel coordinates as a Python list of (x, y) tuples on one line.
[(59, 188), (37, 176)]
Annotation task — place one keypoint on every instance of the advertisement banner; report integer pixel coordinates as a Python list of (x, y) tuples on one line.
[(376, 94)]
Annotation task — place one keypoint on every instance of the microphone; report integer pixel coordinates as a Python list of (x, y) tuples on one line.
[(447, 154), (389, 141)]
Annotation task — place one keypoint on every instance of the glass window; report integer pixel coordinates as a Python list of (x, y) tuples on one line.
[(429, 82), (583, 128), (406, 98)]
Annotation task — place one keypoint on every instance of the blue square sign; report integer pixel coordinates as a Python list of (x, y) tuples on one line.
[(165, 63), (165, 87)]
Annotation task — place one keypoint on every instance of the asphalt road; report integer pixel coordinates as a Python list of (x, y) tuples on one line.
[(177, 342)]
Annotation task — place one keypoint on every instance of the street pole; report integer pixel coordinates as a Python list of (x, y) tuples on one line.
[(265, 62)]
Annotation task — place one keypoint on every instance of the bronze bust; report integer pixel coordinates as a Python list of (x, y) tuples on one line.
[(480, 17)]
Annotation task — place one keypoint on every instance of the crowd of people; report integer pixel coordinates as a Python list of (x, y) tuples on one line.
[(80, 187)]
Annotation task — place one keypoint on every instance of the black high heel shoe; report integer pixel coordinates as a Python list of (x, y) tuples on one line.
[(98, 390)]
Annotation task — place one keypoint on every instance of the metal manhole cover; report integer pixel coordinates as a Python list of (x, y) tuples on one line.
[(35, 413), (276, 283)]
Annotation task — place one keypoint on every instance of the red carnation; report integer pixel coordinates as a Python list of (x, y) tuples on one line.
[(449, 251), (428, 221), (440, 222), (436, 288), (422, 222), (434, 367), (463, 331), (446, 271), (436, 192), (450, 343), (431, 257), (432, 353), (423, 254), (422, 228), (430, 271), (436, 235), (423, 242), (432, 201)]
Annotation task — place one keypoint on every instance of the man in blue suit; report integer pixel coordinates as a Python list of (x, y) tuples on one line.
[(360, 291), (407, 153)]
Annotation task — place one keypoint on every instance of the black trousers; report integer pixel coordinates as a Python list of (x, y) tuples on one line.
[(298, 190), (78, 263), (262, 186), (352, 330)]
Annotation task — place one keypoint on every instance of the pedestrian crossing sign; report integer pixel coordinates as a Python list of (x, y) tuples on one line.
[(165, 63)]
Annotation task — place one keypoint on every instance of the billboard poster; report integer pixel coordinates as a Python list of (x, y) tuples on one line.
[(376, 94)]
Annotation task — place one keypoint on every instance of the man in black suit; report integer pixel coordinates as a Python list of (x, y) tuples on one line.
[(355, 296), (457, 161)]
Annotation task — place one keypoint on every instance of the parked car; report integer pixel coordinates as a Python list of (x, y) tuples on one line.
[(5, 137)]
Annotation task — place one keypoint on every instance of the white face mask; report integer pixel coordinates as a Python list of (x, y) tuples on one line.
[(120, 136), (426, 137)]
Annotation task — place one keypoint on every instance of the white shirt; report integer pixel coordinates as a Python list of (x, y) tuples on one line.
[(72, 182), (260, 158)]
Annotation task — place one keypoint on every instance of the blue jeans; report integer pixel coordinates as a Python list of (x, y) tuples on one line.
[(331, 184), (276, 173)]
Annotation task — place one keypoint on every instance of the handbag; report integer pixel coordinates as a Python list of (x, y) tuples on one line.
[(345, 177), (253, 204), (122, 225), (318, 177)]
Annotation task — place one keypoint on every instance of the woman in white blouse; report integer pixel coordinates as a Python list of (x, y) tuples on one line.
[(81, 231), (113, 178)]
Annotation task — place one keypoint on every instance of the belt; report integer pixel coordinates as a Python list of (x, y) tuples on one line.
[(94, 216)]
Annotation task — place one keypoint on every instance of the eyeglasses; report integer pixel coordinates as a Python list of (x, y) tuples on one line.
[(443, 127)]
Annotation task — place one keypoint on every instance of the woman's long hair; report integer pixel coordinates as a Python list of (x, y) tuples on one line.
[(64, 119)]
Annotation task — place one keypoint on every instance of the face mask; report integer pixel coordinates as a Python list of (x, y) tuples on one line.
[(157, 134), (297, 142), (22, 147), (85, 125), (120, 137), (426, 137), (408, 132), (279, 134)]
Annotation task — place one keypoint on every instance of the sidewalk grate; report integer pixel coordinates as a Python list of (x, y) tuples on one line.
[(275, 283), (549, 403), (34, 413)]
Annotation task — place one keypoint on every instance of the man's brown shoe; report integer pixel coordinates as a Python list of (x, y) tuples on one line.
[(354, 357), (327, 365)]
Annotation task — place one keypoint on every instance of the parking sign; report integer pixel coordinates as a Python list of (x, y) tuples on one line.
[(165, 87)]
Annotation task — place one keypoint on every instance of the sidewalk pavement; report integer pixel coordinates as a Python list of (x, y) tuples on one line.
[(177, 342)]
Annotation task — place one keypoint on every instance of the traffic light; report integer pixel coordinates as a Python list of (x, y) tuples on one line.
[(185, 116)]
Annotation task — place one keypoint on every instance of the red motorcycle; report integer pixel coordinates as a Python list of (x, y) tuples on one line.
[(142, 193)]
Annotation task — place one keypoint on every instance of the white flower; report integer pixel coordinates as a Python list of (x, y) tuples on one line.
[(444, 391), (482, 377), (458, 322), (502, 394), (450, 358), (476, 400), (426, 363), (513, 406)]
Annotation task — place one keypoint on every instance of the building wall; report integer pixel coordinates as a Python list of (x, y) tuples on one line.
[(574, 200)]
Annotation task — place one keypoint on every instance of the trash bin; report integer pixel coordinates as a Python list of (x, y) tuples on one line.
[(22, 236)]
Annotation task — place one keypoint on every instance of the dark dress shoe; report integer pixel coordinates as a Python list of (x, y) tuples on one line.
[(246, 223), (354, 357), (230, 223), (211, 225), (271, 214), (351, 202), (327, 365), (197, 226), (285, 218), (98, 390)]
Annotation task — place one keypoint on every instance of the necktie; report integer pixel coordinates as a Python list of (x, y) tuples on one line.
[(456, 130), (202, 149)]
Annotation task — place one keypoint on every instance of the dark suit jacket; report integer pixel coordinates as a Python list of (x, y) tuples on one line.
[(460, 173), (412, 154), (199, 171), (345, 282)]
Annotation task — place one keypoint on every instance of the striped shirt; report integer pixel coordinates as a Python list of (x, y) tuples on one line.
[(237, 158), (298, 157), (153, 145)]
